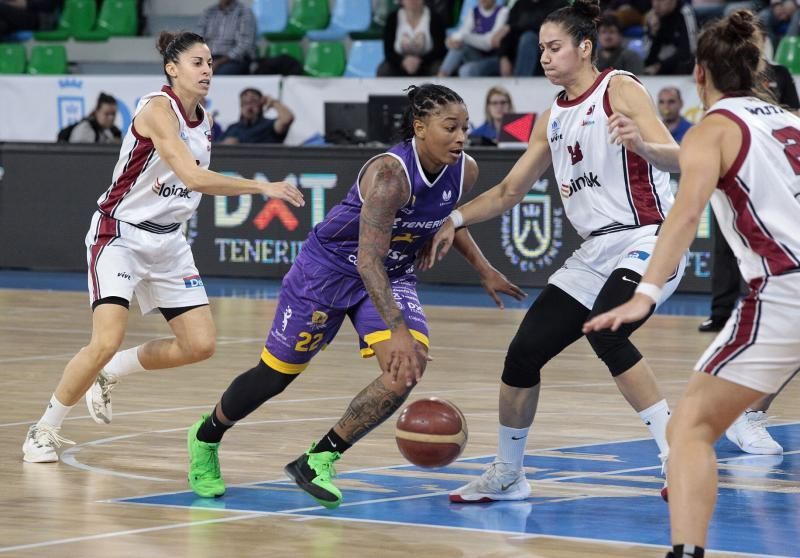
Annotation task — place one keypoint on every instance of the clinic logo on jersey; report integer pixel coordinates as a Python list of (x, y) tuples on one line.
[(575, 153), (639, 255), (447, 195), (555, 131), (588, 180), (531, 232), (286, 315), (166, 191), (192, 281)]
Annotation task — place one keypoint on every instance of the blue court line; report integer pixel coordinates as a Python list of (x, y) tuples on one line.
[(601, 492), (430, 295)]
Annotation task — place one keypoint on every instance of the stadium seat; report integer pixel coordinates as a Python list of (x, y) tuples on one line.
[(272, 16), (788, 53), (12, 58), (304, 16), (117, 18), (348, 15), (364, 59), (375, 29), (78, 16), (48, 59), (325, 59), (638, 46), (292, 48), (17, 37)]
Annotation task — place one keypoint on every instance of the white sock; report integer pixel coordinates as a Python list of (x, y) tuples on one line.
[(511, 445), (656, 418), (124, 363), (55, 413)]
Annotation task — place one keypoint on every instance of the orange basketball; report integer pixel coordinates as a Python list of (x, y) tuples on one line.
[(431, 432)]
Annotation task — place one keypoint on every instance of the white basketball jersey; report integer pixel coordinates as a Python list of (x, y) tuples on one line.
[(757, 203), (144, 190), (605, 188)]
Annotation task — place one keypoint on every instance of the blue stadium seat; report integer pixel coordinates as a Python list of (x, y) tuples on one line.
[(348, 16), (271, 15), (364, 59), (638, 46)]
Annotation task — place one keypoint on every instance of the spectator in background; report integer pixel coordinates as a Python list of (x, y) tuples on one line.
[(670, 104), (229, 29), (473, 47), (498, 103), (253, 127), (519, 45), (776, 18), (413, 41), (28, 15), (629, 13), (612, 53), (98, 127), (673, 33)]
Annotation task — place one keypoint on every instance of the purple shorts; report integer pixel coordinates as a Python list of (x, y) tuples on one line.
[(313, 303)]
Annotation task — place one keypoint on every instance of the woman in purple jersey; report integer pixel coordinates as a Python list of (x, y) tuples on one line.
[(743, 156), (359, 263), (610, 153), (130, 250)]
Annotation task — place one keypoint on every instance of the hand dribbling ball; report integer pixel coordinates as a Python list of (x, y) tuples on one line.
[(431, 432)]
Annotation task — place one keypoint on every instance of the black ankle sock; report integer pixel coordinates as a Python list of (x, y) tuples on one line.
[(212, 429), (688, 551), (331, 442)]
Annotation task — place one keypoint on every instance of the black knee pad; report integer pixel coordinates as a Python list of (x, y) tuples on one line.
[(251, 389), (614, 348)]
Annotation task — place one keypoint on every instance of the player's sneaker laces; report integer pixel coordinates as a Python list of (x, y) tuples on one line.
[(205, 477), (664, 491), (313, 473), (41, 443), (498, 482), (98, 398), (749, 433)]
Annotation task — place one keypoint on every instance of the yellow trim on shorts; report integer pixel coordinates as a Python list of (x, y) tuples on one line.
[(280, 366), (385, 335)]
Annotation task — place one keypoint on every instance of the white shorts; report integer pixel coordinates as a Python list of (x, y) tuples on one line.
[(586, 271), (759, 347), (159, 268)]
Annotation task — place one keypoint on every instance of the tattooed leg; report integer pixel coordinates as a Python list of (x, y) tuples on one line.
[(368, 409)]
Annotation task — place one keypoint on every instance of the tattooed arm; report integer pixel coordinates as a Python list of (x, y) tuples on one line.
[(385, 189)]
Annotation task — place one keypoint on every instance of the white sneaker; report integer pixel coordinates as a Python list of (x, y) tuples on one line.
[(41, 443), (98, 398), (749, 433), (498, 482)]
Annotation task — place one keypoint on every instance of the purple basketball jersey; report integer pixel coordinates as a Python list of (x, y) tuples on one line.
[(334, 241)]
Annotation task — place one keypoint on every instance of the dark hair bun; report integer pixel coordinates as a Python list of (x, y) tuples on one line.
[(742, 25), (589, 9), (411, 91), (163, 41)]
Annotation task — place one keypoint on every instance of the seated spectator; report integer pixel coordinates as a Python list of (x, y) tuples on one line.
[(670, 104), (413, 41), (252, 126), (498, 103), (28, 15), (777, 79), (611, 52), (673, 33), (629, 13), (473, 48), (98, 127), (777, 17), (229, 29), (519, 38)]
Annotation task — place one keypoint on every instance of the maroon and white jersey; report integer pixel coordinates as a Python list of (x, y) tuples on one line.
[(604, 187), (144, 191), (757, 203)]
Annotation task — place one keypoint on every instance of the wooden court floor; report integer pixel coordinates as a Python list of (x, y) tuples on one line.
[(69, 509)]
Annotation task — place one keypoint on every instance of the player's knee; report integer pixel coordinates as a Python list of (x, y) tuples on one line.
[(102, 347), (202, 348), (615, 350), (252, 389), (523, 365)]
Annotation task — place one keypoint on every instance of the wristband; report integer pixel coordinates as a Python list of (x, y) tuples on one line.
[(457, 218), (649, 290)]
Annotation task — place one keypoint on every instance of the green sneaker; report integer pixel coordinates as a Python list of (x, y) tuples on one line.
[(205, 478), (313, 473)]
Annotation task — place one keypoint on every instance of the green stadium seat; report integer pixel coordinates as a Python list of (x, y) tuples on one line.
[(305, 15), (788, 53), (292, 48), (325, 59), (48, 59), (12, 58), (117, 18), (78, 16)]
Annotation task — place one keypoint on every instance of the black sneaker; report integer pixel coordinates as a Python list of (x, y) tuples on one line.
[(712, 324), (313, 472)]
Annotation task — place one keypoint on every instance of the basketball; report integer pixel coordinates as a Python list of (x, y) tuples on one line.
[(431, 432)]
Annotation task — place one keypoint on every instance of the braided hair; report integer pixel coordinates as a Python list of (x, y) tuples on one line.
[(424, 100)]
